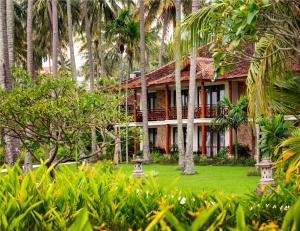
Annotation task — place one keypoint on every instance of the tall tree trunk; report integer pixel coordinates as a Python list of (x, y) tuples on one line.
[(236, 143), (54, 39), (164, 31), (126, 108), (10, 30), (177, 38), (70, 35), (189, 155), (29, 38), (91, 66), (12, 144), (146, 150), (28, 159)]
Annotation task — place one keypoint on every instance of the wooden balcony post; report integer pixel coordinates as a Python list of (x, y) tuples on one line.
[(135, 144), (203, 116), (230, 129), (167, 148)]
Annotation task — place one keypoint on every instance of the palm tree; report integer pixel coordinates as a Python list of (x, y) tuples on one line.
[(189, 157), (235, 117), (54, 38), (29, 30), (12, 144), (91, 64), (27, 158), (146, 150), (70, 36), (165, 12), (290, 153), (10, 30), (272, 133), (177, 40)]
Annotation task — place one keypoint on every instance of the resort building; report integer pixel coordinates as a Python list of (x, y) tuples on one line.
[(162, 107)]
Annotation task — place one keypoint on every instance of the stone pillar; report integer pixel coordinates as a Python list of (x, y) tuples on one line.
[(137, 171), (266, 171), (203, 116)]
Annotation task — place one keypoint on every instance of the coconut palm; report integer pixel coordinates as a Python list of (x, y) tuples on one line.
[(177, 41), (29, 31), (146, 150), (10, 18), (189, 156), (70, 36), (164, 13), (12, 144), (235, 117), (54, 38)]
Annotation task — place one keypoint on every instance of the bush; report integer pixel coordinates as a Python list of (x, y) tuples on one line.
[(101, 198), (253, 172)]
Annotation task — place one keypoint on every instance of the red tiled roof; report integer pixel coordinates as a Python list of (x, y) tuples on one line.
[(166, 74)]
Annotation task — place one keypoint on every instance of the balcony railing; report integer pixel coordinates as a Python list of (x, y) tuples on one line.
[(160, 114)]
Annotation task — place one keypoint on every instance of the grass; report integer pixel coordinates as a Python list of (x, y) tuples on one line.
[(227, 179)]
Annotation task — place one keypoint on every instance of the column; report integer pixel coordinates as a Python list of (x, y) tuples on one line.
[(167, 148), (230, 129), (203, 116), (135, 144)]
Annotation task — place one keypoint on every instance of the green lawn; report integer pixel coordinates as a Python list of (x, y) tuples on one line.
[(225, 179)]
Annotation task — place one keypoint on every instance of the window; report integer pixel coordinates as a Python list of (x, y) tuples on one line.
[(213, 94), (175, 136), (152, 137), (152, 101), (214, 141), (184, 98)]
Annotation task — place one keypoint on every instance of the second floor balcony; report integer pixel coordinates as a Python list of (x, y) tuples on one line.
[(211, 111)]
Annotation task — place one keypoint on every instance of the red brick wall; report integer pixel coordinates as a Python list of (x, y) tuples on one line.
[(161, 136), (160, 99), (245, 136)]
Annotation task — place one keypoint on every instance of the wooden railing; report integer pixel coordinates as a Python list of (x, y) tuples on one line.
[(160, 114)]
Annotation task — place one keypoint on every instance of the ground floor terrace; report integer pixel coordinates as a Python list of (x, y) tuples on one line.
[(207, 140)]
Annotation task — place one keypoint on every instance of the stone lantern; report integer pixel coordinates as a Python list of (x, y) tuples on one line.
[(265, 167), (137, 171)]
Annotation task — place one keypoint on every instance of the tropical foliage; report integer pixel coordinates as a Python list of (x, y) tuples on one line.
[(272, 133), (55, 113), (94, 197), (235, 117)]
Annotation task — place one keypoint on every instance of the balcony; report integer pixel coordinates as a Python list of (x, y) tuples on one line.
[(160, 114)]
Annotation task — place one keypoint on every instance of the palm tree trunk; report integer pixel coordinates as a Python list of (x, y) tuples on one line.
[(189, 156), (70, 35), (178, 85), (236, 143), (10, 30), (146, 150), (29, 38), (126, 108), (164, 31), (54, 39), (12, 144), (91, 66), (28, 159)]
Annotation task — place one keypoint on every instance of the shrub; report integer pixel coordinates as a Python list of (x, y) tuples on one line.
[(101, 198), (253, 172)]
